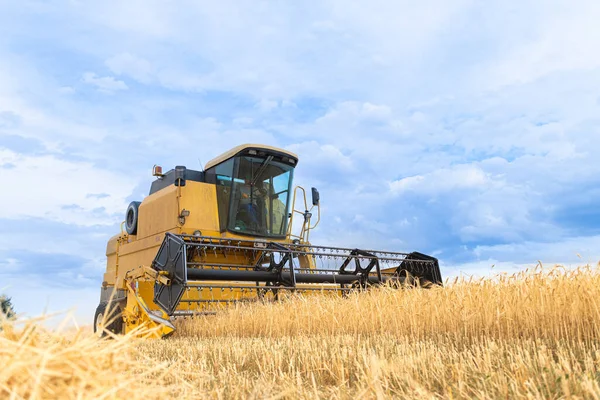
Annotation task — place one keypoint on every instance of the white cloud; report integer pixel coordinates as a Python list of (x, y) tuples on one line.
[(457, 177), (66, 121), (266, 105), (58, 190), (322, 164), (352, 113), (282, 50), (105, 84), (131, 65), (554, 38), (10, 265), (66, 90), (578, 250)]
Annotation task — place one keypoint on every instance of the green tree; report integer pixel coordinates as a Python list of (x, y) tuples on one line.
[(6, 307)]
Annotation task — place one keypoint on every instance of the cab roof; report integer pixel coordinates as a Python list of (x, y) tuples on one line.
[(244, 147)]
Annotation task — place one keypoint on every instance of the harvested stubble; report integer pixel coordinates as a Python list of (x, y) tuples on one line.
[(534, 334)]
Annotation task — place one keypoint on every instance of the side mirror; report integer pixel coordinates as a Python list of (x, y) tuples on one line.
[(180, 175), (315, 196)]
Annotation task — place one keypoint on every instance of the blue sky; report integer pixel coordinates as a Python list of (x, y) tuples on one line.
[(468, 130)]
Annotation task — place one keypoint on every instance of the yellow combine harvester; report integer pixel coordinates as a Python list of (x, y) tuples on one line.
[(204, 239)]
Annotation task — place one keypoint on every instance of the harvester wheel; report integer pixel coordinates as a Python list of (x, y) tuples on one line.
[(106, 319), (131, 217)]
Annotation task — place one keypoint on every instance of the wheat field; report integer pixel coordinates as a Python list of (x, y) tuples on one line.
[(530, 335)]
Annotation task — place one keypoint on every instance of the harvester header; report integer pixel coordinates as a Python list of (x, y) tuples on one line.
[(204, 239)]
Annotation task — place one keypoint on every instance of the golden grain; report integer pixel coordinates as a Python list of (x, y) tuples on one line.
[(530, 335)]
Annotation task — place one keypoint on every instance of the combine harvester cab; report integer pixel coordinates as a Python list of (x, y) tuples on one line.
[(204, 239)]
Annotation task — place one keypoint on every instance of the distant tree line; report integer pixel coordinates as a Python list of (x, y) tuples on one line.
[(6, 307)]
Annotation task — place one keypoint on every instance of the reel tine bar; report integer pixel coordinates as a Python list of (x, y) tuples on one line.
[(184, 259)]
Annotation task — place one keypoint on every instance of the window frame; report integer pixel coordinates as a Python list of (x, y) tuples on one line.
[(236, 166)]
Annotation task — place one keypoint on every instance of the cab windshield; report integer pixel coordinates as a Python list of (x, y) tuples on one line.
[(259, 196)]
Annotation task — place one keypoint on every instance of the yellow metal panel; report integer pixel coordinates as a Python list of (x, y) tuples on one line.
[(159, 212), (111, 246), (143, 244), (111, 270), (200, 199), (136, 253), (111, 261)]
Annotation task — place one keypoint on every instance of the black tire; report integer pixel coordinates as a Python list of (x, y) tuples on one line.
[(131, 217), (106, 319)]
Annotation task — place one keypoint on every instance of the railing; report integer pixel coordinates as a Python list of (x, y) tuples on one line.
[(303, 237)]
